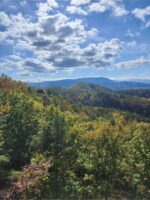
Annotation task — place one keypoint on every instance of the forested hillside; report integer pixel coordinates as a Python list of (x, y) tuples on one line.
[(85, 142), (93, 95), (137, 92)]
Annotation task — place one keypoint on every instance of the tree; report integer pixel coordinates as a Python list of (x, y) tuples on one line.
[(52, 143), (19, 126)]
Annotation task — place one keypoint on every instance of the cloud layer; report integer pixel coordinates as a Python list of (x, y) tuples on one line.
[(57, 37), (55, 41)]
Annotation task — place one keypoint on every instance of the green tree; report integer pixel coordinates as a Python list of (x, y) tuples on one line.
[(18, 127), (52, 139)]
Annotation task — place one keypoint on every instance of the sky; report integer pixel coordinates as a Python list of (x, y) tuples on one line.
[(58, 39)]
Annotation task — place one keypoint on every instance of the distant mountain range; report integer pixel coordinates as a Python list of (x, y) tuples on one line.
[(103, 82), (140, 80)]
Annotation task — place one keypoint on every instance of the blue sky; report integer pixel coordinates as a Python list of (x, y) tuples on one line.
[(57, 39)]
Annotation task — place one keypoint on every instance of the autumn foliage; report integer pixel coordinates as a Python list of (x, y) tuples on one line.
[(54, 148)]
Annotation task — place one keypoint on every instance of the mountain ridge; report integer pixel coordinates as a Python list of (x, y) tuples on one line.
[(101, 81)]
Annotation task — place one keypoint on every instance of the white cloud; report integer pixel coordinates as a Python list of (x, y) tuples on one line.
[(119, 11), (44, 8), (102, 54), (80, 2), (16, 26), (55, 42), (116, 6), (52, 3), (4, 19), (97, 7), (76, 10), (36, 65), (28, 65), (134, 63), (141, 13)]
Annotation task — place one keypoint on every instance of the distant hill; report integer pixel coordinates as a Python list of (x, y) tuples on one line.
[(140, 80), (94, 95), (103, 82)]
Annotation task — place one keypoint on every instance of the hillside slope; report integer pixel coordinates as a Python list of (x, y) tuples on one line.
[(93, 95)]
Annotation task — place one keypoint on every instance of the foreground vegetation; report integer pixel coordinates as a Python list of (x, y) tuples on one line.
[(55, 147)]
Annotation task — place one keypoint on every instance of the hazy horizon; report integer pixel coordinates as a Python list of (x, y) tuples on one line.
[(114, 79)]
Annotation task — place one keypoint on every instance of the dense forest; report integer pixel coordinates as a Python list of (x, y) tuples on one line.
[(84, 142)]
